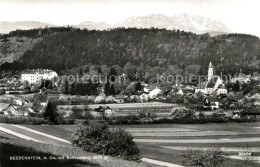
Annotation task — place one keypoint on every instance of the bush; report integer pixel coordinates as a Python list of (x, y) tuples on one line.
[(125, 120), (182, 113), (51, 115), (98, 138), (77, 113), (22, 120), (209, 158), (51, 91), (59, 101)]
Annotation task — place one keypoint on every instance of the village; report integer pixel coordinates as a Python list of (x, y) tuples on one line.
[(30, 93)]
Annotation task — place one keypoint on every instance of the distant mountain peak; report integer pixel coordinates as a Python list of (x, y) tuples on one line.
[(185, 22)]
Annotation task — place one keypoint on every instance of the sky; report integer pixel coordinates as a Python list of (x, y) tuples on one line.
[(240, 16)]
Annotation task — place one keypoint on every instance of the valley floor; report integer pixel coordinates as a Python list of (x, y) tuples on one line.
[(164, 142)]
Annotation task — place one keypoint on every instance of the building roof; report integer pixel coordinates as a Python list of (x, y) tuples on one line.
[(4, 106), (40, 71), (212, 82)]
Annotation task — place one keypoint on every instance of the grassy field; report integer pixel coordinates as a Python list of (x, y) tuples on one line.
[(207, 135), (55, 155)]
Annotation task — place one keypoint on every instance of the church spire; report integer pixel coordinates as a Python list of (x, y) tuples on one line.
[(210, 65), (210, 71)]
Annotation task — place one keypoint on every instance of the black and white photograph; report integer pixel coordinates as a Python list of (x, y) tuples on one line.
[(129, 83)]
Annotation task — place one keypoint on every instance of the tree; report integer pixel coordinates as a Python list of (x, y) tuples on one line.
[(100, 138), (130, 70), (118, 69), (66, 87), (107, 88), (99, 70), (104, 69), (130, 89), (73, 89), (80, 71), (112, 74), (51, 115), (86, 70), (236, 87), (112, 90), (138, 87)]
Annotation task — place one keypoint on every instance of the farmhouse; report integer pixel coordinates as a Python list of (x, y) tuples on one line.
[(213, 85), (36, 76)]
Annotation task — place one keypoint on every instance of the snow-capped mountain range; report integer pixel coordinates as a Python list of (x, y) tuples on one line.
[(186, 22), (192, 23)]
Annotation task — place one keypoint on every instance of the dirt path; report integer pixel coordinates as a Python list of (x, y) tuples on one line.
[(29, 134)]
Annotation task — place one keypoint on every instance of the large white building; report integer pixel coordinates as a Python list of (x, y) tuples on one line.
[(35, 76), (214, 84)]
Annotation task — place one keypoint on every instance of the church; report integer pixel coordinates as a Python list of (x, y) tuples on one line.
[(214, 84)]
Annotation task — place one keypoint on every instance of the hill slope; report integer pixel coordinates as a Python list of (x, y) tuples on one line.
[(151, 47)]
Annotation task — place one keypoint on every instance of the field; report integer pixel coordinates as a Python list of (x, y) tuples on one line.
[(51, 153), (165, 142)]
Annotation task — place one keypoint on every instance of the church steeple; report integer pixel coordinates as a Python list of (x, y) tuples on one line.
[(210, 65), (210, 71)]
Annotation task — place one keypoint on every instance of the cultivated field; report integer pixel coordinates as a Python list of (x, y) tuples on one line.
[(56, 152), (165, 142)]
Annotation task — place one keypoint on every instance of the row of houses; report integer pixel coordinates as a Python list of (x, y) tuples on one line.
[(23, 106)]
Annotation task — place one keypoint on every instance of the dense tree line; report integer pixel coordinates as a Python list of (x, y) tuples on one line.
[(72, 48)]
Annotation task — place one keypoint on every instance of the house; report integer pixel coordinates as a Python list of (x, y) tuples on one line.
[(119, 98), (100, 109), (105, 109), (16, 110), (213, 85), (211, 103), (36, 76), (108, 111), (180, 92)]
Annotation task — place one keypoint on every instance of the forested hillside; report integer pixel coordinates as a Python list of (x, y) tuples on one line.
[(65, 50)]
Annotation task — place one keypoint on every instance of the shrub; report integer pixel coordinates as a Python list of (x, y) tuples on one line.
[(22, 120), (77, 113), (209, 158), (51, 91), (182, 113), (152, 115), (68, 121), (98, 138)]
